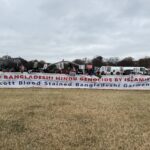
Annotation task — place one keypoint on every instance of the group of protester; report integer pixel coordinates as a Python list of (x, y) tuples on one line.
[(66, 68)]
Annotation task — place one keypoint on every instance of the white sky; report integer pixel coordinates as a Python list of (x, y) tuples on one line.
[(53, 30)]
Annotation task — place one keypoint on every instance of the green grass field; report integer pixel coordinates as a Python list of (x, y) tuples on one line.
[(69, 119)]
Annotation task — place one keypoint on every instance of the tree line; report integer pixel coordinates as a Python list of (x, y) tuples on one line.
[(13, 64), (115, 61)]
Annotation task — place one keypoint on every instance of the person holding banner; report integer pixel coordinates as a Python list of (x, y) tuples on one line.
[(22, 68)]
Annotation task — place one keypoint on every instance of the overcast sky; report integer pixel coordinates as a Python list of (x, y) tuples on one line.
[(53, 30)]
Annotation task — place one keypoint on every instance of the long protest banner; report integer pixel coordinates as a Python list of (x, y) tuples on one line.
[(45, 80)]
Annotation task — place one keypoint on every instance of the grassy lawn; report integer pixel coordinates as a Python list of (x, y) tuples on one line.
[(69, 119)]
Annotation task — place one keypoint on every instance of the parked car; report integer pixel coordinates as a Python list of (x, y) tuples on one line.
[(128, 72)]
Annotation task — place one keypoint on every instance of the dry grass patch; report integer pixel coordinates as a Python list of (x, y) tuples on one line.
[(69, 119)]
